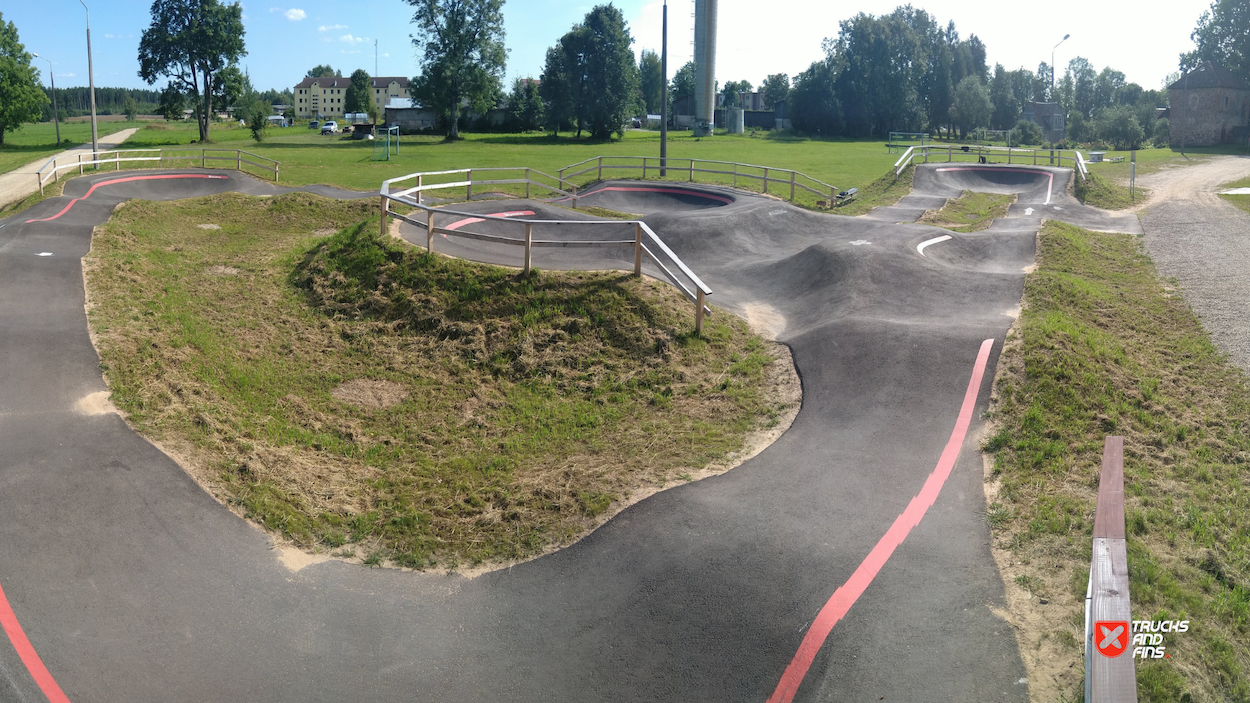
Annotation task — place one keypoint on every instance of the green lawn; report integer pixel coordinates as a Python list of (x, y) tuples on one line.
[(1152, 160), (37, 141), (1241, 201)]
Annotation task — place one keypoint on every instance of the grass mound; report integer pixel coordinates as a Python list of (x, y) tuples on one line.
[(358, 396), (970, 212), (1102, 348), (1102, 191)]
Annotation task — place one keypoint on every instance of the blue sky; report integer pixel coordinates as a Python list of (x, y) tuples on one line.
[(754, 38)]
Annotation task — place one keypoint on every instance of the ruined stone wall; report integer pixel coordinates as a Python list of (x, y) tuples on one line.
[(1208, 116)]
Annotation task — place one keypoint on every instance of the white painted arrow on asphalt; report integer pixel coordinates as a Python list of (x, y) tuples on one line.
[(1028, 211)]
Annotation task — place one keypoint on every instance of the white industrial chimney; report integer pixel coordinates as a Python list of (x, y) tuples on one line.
[(704, 67)]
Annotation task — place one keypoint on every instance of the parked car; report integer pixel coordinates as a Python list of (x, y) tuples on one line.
[(313, 124), (330, 127)]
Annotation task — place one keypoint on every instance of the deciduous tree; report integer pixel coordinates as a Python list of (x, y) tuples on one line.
[(359, 97), (462, 56), (322, 71), (1223, 36), (776, 88), (190, 42), (651, 80), (971, 107), (525, 105), (683, 82), (21, 98)]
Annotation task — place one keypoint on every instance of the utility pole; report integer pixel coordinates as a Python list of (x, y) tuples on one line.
[(664, 96), (95, 136), (56, 117), (375, 58)]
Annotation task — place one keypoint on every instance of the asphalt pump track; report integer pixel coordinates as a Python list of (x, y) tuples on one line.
[(848, 561)]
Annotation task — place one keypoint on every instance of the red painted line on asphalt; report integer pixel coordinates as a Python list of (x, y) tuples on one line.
[(1049, 186), (26, 651), (121, 180), (842, 599), (470, 220), (679, 191)]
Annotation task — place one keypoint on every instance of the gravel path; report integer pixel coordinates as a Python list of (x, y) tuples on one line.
[(20, 182), (1204, 242)]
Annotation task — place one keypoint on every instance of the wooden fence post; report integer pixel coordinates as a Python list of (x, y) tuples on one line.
[(203, 158), (574, 197), (637, 249), (429, 231), (383, 211), (692, 170), (601, 168), (80, 164), (644, 168), (39, 177), (765, 180), (792, 186), (239, 155), (735, 174), (419, 191), (1109, 678), (698, 312), (468, 190), (527, 182), (529, 244)]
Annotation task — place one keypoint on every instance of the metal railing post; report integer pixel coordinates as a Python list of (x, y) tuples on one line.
[(637, 249), (383, 211), (792, 186), (698, 312), (429, 231), (529, 244)]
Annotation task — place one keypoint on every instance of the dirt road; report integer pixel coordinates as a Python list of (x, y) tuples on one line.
[(1204, 243)]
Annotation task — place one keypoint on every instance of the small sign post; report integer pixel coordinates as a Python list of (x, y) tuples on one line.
[(1132, 173)]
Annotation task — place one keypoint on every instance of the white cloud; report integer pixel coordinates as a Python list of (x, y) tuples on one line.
[(295, 14), (67, 75), (349, 39), (344, 51), (386, 56), (331, 27)]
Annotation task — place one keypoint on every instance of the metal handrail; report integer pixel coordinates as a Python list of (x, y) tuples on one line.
[(904, 161), (51, 170), (688, 166), (698, 296)]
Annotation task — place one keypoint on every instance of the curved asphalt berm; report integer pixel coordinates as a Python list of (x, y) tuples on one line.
[(132, 584)]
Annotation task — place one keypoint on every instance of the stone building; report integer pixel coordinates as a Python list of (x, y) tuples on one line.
[(1209, 105)]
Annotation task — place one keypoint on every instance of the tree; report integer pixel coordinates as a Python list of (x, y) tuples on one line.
[(1029, 133), (734, 90), (1223, 36), (233, 87), (1006, 107), (1107, 87), (1083, 80), (322, 71), (775, 89), (359, 97), (525, 105), (611, 91), (813, 101), (258, 112), (683, 82), (21, 98), (1119, 126), (971, 107), (557, 90), (462, 45), (173, 102), (131, 108), (651, 80), (190, 42), (1041, 83)]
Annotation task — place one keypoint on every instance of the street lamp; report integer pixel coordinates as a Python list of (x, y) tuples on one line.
[(1052, 64), (664, 96), (95, 139), (56, 117)]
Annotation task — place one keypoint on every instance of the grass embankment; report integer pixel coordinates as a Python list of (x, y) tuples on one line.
[(1104, 347), (1241, 201), (970, 212), (355, 394), (1106, 193)]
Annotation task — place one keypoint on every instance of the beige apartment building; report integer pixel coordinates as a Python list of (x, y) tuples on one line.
[(322, 98)]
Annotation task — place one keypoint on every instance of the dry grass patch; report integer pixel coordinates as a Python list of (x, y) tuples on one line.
[(358, 396), (970, 212), (1102, 347)]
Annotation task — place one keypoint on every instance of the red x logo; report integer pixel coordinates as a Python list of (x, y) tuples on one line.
[(1111, 637)]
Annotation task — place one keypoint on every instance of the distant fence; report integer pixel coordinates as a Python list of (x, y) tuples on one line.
[(643, 240), (177, 157), (973, 152), (1109, 678), (778, 178)]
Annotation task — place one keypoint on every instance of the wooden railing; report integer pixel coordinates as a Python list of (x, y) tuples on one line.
[(783, 178), (1109, 679), (643, 240), (973, 152), (464, 178), (163, 158)]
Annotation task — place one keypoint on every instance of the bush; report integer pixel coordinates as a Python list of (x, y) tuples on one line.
[(1162, 131), (1029, 133)]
